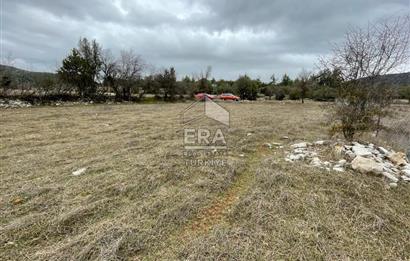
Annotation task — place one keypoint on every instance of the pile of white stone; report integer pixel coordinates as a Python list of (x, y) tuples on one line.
[(13, 104), (363, 158)]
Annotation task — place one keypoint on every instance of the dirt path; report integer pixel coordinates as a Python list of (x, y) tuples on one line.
[(216, 212)]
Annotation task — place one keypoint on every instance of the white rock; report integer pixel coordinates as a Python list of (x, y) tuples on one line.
[(338, 168), (327, 164), (390, 177), (268, 145), (383, 151), (361, 151), (316, 162), (299, 151), (357, 144), (367, 165), (342, 162), (376, 152), (79, 171), (405, 178), (300, 145), (378, 159), (241, 155), (406, 172), (321, 142), (393, 185), (249, 134), (407, 166), (350, 154), (294, 157)]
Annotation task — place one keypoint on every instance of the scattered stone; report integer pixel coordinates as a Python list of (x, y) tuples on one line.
[(366, 165), (316, 162), (5, 103), (398, 158), (268, 145), (383, 151), (285, 138), (320, 142), (295, 157), (363, 158), (405, 178), (338, 168), (299, 151), (390, 177), (327, 164), (299, 145), (342, 162), (249, 134), (79, 171), (350, 154), (406, 172), (393, 185), (241, 155), (361, 151)]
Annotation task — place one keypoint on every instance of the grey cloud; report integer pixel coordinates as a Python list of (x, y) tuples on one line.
[(235, 37)]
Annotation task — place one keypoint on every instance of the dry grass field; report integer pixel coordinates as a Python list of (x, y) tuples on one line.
[(138, 200)]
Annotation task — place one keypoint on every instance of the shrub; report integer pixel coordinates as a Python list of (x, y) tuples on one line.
[(246, 88), (323, 93), (279, 94), (294, 93), (404, 93)]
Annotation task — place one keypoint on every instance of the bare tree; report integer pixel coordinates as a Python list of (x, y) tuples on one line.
[(109, 71), (122, 75), (372, 51), (365, 55), (130, 67), (202, 82)]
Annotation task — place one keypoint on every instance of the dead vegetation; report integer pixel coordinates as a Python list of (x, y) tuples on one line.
[(137, 194)]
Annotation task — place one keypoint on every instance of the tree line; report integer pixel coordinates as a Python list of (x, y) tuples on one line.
[(93, 73)]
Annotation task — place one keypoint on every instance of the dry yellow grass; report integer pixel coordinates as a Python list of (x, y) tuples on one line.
[(138, 197)]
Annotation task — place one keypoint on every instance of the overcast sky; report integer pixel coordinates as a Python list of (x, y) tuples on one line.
[(257, 37)]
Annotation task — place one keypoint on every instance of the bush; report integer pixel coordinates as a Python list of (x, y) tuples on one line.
[(246, 88), (279, 94), (294, 93), (323, 93), (404, 93)]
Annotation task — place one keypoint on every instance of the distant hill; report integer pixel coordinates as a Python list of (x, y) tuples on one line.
[(397, 79), (20, 76)]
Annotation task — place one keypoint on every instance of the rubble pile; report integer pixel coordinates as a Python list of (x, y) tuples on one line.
[(363, 158), (13, 104)]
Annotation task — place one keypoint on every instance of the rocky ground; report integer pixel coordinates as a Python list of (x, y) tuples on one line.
[(13, 103), (359, 157)]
